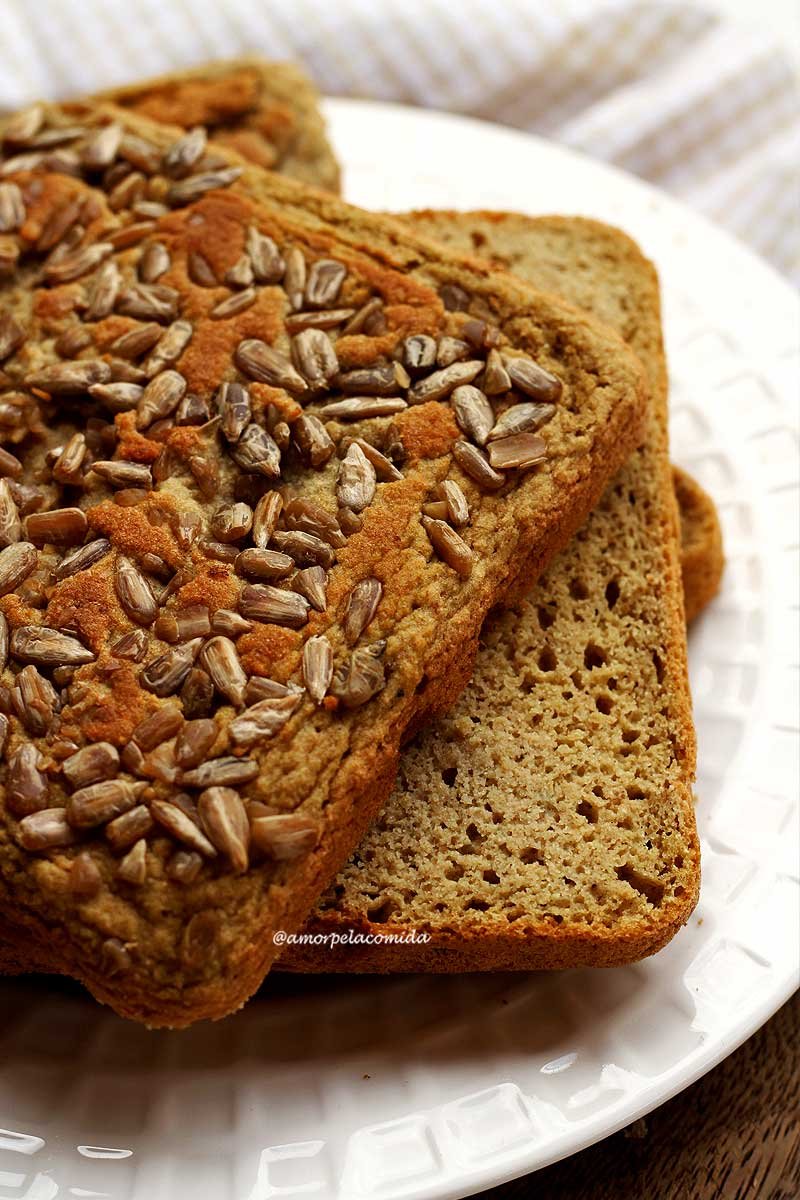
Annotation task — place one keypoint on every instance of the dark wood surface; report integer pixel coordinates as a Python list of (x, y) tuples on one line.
[(733, 1135)]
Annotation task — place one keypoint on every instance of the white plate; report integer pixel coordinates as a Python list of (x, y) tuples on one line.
[(438, 1087)]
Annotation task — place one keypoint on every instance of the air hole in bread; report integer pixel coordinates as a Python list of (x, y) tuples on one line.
[(594, 656), (473, 833), (383, 912), (454, 872), (531, 855), (630, 735), (651, 889), (578, 589), (449, 775), (491, 877), (477, 238), (659, 666), (547, 660), (546, 616), (477, 905), (636, 793), (588, 810), (612, 593), (604, 704), (421, 686)]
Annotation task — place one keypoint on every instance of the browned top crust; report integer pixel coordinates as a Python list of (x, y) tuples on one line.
[(268, 112), (242, 561)]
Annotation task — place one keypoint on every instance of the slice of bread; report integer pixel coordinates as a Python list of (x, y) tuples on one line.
[(702, 557), (547, 820), (268, 112), (181, 780)]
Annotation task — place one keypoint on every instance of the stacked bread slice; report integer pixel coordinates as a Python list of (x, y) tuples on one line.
[(429, 407)]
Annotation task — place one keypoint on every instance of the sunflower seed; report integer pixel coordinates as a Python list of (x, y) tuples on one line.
[(223, 818), (141, 153), (220, 658), (134, 592), (101, 802), (262, 720), (154, 262), (254, 563), (169, 347), (91, 764), (356, 480), (185, 624), (124, 474), (69, 378), (451, 350), (126, 829), (84, 878), (473, 412), (192, 410), (451, 548), (232, 523), (132, 758), (197, 693), (187, 191), (137, 341), (455, 502), (184, 866), (229, 623), (81, 558), (72, 341), (160, 764), (149, 209), (27, 499), (100, 148), (233, 404), (67, 467), (311, 518), (3, 648), (323, 319), (256, 453), (231, 306), (48, 647), (312, 583), (16, 563), (149, 302), (519, 450), (158, 727), (80, 262), (12, 335), (194, 742), (306, 549), (65, 526), (362, 605), (131, 235), (26, 785), (9, 256), (184, 153), (385, 469), (118, 397), (317, 667), (364, 316), (261, 688), (219, 551), (436, 509), (160, 398), (131, 645), (35, 701), (294, 279), (133, 867), (182, 827), (10, 524), (325, 279), (362, 678), (115, 958), (522, 418), (454, 298), (358, 408), (200, 270), (262, 602), (475, 465), (45, 830), (312, 439), (165, 674), (240, 275), (261, 362), (284, 837), (372, 381), (58, 225), (316, 358), (222, 772), (532, 379), (440, 384), (24, 124), (496, 378)]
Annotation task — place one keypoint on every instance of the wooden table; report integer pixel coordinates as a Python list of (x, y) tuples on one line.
[(733, 1135)]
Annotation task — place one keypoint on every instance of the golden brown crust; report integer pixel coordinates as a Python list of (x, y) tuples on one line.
[(200, 950), (569, 253), (702, 555), (267, 112)]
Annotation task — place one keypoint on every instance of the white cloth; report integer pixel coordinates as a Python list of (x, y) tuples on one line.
[(703, 106)]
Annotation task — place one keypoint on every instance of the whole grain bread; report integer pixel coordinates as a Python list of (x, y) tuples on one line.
[(181, 779), (547, 820), (702, 556), (268, 112)]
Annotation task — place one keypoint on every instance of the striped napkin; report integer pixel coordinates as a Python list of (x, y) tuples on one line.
[(702, 106)]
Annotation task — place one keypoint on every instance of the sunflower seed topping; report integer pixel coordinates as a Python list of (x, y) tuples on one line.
[(311, 583), (419, 352), (317, 667), (261, 362), (382, 380), (200, 270), (80, 262), (100, 148), (120, 474), (194, 742), (355, 485), (10, 524), (312, 440), (160, 398), (358, 408), (520, 450), (233, 405), (522, 418), (325, 279), (532, 379), (197, 693), (221, 660), (261, 720), (137, 341), (69, 378), (91, 764), (187, 191), (262, 602), (440, 384), (451, 548), (229, 623), (451, 350), (12, 335), (184, 153), (496, 378), (231, 306), (149, 302), (257, 453), (362, 678), (101, 802), (154, 262), (26, 785), (45, 830), (455, 502), (285, 837), (48, 647), (306, 549), (133, 867), (85, 879), (222, 772), (165, 674), (131, 645), (182, 827), (473, 412), (265, 258), (134, 592), (475, 465), (323, 318), (161, 725), (316, 358), (169, 347), (263, 564), (103, 292)]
